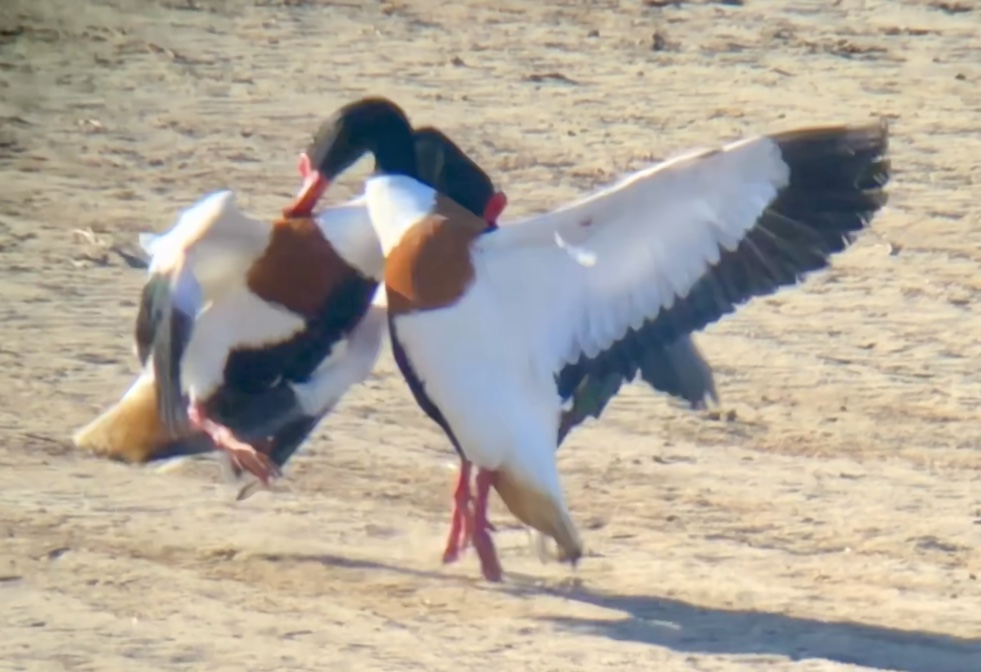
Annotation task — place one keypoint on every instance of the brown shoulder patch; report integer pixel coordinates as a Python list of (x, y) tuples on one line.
[(299, 269), (430, 267)]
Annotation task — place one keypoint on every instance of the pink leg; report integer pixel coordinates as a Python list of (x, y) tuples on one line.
[(242, 454), (264, 446), (460, 528), (304, 166), (482, 542)]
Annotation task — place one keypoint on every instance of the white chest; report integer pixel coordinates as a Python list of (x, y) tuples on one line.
[(395, 204), (473, 370), (239, 319)]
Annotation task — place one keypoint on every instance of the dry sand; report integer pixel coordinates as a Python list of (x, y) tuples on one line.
[(832, 523)]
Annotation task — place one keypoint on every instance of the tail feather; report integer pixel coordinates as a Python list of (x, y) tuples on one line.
[(540, 511)]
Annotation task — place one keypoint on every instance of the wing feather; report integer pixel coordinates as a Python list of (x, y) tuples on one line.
[(678, 245)]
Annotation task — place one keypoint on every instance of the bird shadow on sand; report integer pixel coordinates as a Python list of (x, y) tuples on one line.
[(354, 564), (684, 627), (688, 628)]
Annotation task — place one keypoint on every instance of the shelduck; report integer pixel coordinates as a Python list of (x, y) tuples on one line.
[(675, 367), (266, 325), (487, 324)]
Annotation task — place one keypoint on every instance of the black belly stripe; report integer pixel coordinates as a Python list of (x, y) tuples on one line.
[(476, 202), (418, 389), (251, 371)]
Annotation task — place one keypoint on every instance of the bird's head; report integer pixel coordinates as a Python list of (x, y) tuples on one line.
[(378, 126), (372, 125)]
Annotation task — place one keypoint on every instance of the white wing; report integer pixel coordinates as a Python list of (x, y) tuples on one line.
[(682, 243), (186, 293)]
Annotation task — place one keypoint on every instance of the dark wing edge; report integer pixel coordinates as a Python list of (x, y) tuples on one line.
[(836, 186), (162, 333), (678, 369)]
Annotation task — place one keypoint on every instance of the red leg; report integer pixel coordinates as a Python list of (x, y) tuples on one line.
[(482, 542), (242, 454), (462, 516)]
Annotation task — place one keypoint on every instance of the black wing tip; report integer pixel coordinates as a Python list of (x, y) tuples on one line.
[(845, 156), (868, 140), (837, 177), (868, 136), (837, 181), (171, 337), (678, 369)]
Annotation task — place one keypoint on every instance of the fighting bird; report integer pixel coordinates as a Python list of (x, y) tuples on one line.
[(216, 308), (132, 429), (487, 326)]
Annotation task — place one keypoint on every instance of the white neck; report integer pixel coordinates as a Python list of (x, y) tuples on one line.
[(348, 229), (396, 203)]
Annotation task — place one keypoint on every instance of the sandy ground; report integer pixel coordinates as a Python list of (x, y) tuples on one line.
[(831, 520)]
